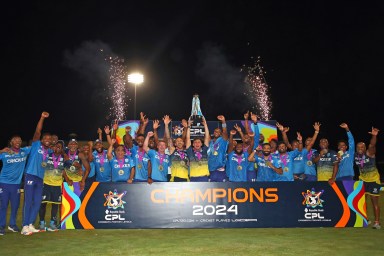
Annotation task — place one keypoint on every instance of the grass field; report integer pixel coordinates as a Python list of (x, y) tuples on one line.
[(257, 241)]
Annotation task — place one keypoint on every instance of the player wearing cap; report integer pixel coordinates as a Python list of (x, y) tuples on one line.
[(34, 174), (14, 160), (76, 162)]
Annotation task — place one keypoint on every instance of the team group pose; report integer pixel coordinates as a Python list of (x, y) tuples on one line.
[(145, 157)]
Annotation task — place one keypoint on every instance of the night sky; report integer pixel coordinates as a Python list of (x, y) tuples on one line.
[(323, 62)]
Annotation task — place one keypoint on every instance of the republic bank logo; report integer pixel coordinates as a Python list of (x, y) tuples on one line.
[(312, 198), (114, 200)]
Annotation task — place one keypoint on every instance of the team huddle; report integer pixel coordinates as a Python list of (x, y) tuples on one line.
[(47, 163)]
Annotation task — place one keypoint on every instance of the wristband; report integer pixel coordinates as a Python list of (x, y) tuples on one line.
[(224, 125), (316, 131)]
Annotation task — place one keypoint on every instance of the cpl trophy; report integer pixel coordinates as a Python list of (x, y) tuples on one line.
[(196, 114), (197, 128)]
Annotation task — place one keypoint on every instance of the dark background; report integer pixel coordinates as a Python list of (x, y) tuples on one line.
[(323, 62)]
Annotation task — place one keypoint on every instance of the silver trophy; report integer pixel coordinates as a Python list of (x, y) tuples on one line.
[(196, 114)]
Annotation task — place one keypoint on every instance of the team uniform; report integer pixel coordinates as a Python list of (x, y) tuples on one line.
[(325, 165), (264, 172), (103, 170), (286, 161), (298, 166), (310, 166), (252, 167), (33, 182), (369, 174), (346, 171), (237, 167), (160, 164), (198, 164), (179, 165), (216, 159), (121, 168), (141, 159), (10, 180), (72, 172), (53, 180)]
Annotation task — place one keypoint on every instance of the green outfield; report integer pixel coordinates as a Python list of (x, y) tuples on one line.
[(257, 241)]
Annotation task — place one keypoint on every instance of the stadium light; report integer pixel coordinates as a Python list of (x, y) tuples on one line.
[(135, 79)]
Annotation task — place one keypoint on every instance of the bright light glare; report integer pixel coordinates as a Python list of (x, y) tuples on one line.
[(135, 78)]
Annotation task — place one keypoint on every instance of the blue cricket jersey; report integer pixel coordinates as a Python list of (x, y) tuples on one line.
[(37, 155), (13, 166)]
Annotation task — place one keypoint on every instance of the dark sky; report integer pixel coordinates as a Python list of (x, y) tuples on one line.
[(323, 62)]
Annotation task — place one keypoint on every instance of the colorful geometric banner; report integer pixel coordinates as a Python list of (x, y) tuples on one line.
[(267, 128), (216, 205)]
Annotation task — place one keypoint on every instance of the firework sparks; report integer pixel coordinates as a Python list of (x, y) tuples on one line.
[(258, 90), (117, 87)]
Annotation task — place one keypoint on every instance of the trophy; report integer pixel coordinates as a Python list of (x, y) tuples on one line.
[(197, 127), (196, 114)]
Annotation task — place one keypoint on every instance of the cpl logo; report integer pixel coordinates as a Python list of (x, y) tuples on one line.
[(114, 200), (312, 215), (312, 198), (112, 216)]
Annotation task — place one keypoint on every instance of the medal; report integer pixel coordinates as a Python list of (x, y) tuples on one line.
[(267, 163), (309, 163), (121, 172), (44, 164), (161, 167), (182, 162), (286, 169), (239, 167), (139, 166), (72, 168), (101, 169), (215, 153)]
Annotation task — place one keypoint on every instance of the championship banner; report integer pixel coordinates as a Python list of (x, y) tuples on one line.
[(216, 205), (267, 128)]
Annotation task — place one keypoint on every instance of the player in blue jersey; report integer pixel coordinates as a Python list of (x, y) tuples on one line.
[(298, 161), (237, 163), (365, 160), (217, 153), (160, 161), (267, 166), (345, 157), (99, 158), (14, 159), (287, 158), (34, 174), (309, 154), (141, 160), (122, 165)]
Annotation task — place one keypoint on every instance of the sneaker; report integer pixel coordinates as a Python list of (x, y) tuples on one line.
[(369, 222), (42, 227), (33, 229), (376, 225), (13, 228), (25, 231), (52, 227), (2, 231)]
